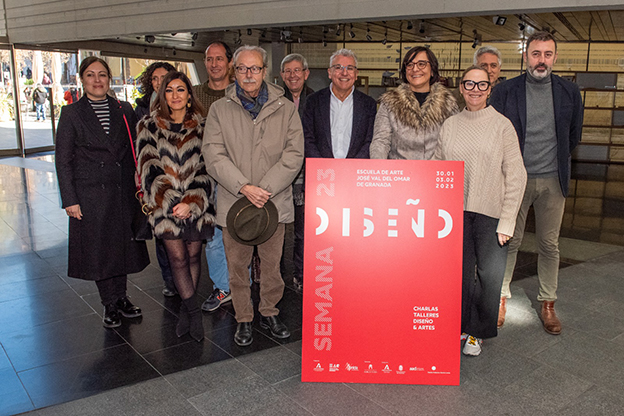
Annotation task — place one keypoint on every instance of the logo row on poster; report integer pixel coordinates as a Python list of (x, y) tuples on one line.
[(370, 368)]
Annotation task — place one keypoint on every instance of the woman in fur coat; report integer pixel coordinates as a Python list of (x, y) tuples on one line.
[(409, 118), (177, 189)]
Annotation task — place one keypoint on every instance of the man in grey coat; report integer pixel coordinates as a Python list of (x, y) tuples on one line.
[(253, 147)]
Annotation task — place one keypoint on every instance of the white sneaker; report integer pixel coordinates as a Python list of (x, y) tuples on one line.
[(472, 346)]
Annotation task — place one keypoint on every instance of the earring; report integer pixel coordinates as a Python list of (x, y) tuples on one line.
[(188, 104)]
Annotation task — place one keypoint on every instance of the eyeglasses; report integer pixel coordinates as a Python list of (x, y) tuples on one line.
[(296, 71), (242, 69), (470, 85), (418, 64), (340, 68)]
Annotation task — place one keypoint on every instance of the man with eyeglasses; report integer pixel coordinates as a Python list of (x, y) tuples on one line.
[(338, 120), (547, 113), (218, 65), (295, 72), (253, 147)]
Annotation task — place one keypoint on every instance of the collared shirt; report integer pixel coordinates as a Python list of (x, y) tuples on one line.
[(341, 123)]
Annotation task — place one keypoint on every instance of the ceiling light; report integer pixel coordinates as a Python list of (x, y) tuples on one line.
[(351, 32), (421, 27), (249, 32), (150, 38), (368, 36), (410, 25), (338, 30), (499, 20)]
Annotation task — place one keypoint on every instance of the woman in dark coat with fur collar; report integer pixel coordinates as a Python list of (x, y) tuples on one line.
[(409, 118), (95, 171), (177, 189)]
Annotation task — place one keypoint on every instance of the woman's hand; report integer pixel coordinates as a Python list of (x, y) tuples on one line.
[(182, 211), (503, 239), (74, 211)]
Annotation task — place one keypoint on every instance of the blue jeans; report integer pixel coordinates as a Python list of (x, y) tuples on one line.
[(40, 111), (217, 264)]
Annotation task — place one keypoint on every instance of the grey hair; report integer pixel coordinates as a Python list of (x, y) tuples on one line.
[(487, 49), (294, 57), (249, 48), (343, 52)]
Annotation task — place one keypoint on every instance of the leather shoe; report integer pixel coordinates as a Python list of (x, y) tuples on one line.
[(127, 309), (278, 329), (552, 324), (111, 317), (502, 310), (243, 336), (169, 292)]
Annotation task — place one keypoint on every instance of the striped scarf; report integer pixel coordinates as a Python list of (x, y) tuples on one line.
[(253, 105)]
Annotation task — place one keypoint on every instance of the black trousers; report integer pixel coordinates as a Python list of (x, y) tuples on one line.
[(112, 289), (482, 275), (298, 250)]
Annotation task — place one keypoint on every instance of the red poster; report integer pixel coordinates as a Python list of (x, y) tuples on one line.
[(382, 272)]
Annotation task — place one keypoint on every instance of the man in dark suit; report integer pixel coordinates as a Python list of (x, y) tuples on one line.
[(338, 120), (547, 113), (294, 71)]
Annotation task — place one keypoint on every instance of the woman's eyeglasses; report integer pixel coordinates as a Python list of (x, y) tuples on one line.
[(418, 64), (470, 85)]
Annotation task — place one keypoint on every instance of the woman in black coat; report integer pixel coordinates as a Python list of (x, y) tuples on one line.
[(95, 171), (150, 82)]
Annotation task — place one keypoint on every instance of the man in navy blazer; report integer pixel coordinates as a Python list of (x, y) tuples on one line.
[(338, 120), (547, 113)]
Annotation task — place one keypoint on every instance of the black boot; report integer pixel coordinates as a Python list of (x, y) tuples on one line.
[(127, 309), (196, 327), (111, 316), (183, 321)]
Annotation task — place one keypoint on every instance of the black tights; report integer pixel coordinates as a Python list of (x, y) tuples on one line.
[(185, 261)]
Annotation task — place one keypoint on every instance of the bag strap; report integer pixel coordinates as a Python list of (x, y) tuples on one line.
[(136, 165)]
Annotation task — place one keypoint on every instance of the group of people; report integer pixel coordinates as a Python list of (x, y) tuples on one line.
[(222, 162)]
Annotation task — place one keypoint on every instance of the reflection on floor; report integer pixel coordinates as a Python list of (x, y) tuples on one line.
[(54, 349)]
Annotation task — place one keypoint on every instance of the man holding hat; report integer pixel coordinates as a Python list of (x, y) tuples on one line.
[(253, 147)]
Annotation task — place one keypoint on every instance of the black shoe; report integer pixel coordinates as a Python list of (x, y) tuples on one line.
[(243, 336), (127, 309), (169, 292), (111, 317), (278, 329)]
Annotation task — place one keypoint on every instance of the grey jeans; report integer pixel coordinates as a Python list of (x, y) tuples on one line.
[(548, 203)]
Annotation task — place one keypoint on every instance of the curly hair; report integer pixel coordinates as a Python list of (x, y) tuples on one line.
[(161, 105), (145, 80)]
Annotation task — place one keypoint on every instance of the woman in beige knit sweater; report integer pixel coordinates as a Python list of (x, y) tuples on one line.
[(494, 182)]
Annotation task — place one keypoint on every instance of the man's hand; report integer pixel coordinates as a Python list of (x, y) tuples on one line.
[(74, 211), (256, 195)]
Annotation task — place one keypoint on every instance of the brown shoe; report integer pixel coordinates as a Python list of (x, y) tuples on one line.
[(552, 324), (502, 310)]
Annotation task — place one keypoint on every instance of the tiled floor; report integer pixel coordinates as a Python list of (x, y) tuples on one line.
[(56, 357)]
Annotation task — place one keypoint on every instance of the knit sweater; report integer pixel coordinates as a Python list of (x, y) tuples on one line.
[(494, 174), (207, 96)]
